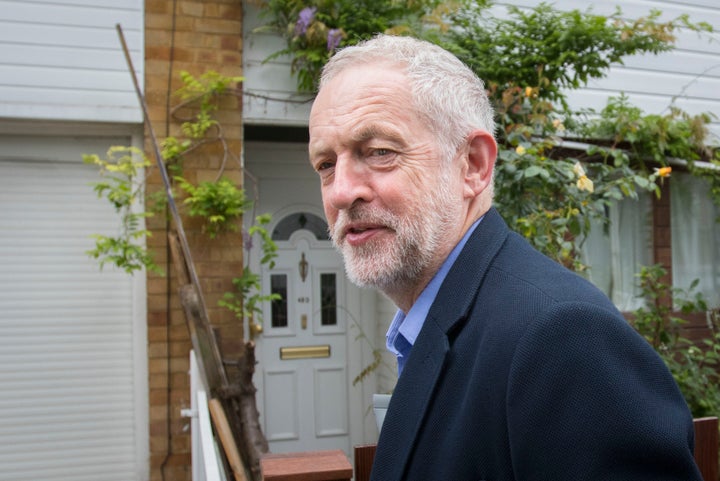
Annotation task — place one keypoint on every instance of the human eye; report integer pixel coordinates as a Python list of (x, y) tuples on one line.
[(324, 167), (380, 155)]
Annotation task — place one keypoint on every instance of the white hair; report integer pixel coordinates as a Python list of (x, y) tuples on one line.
[(446, 93)]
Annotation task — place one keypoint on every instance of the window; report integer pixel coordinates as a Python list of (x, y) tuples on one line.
[(695, 236), (328, 299), (300, 221), (279, 307), (615, 252)]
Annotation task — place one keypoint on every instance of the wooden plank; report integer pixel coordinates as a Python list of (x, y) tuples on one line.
[(706, 447), (364, 456), (307, 466), (222, 427), (201, 333)]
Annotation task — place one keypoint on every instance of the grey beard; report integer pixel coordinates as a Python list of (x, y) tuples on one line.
[(394, 271)]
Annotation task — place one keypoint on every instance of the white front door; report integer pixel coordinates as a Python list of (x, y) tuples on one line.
[(303, 349)]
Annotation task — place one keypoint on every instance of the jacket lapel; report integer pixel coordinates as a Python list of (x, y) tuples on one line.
[(414, 390), (408, 405)]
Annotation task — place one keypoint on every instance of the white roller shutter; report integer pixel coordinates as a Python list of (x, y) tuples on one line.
[(71, 349)]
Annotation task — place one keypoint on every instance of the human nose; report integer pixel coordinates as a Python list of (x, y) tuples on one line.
[(350, 184)]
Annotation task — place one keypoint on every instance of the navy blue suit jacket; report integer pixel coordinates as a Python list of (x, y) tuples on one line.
[(525, 371)]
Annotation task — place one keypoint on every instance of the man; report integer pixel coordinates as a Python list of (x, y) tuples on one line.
[(512, 367)]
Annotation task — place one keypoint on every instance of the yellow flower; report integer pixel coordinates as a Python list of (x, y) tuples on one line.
[(663, 171), (578, 169), (558, 125), (528, 91), (520, 150), (584, 183)]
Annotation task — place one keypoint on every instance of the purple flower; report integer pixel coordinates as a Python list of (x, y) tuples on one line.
[(305, 18), (334, 38)]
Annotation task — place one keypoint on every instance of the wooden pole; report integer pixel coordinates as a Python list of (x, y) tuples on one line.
[(227, 439)]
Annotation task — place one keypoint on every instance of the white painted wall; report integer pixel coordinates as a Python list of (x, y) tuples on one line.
[(688, 75), (62, 59), (269, 90)]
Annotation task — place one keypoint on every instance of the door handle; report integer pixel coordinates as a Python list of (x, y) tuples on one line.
[(254, 329), (303, 321)]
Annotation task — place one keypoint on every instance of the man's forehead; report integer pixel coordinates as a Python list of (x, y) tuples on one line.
[(364, 78), (356, 131), (352, 97)]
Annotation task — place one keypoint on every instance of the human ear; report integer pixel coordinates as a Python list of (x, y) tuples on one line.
[(480, 161)]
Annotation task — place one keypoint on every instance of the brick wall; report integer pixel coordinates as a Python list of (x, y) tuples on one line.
[(696, 328), (662, 234), (195, 36)]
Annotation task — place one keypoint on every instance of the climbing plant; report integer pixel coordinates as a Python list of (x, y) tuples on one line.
[(531, 59), (694, 367), (122, 185), (314, 29), (219, 203)]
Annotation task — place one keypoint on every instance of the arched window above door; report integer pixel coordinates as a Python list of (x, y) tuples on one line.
[(300, 221)]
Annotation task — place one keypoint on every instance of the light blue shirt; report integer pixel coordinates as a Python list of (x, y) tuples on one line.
[(405, 328)]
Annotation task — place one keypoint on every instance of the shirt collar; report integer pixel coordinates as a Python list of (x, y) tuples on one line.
[(409, 324)]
